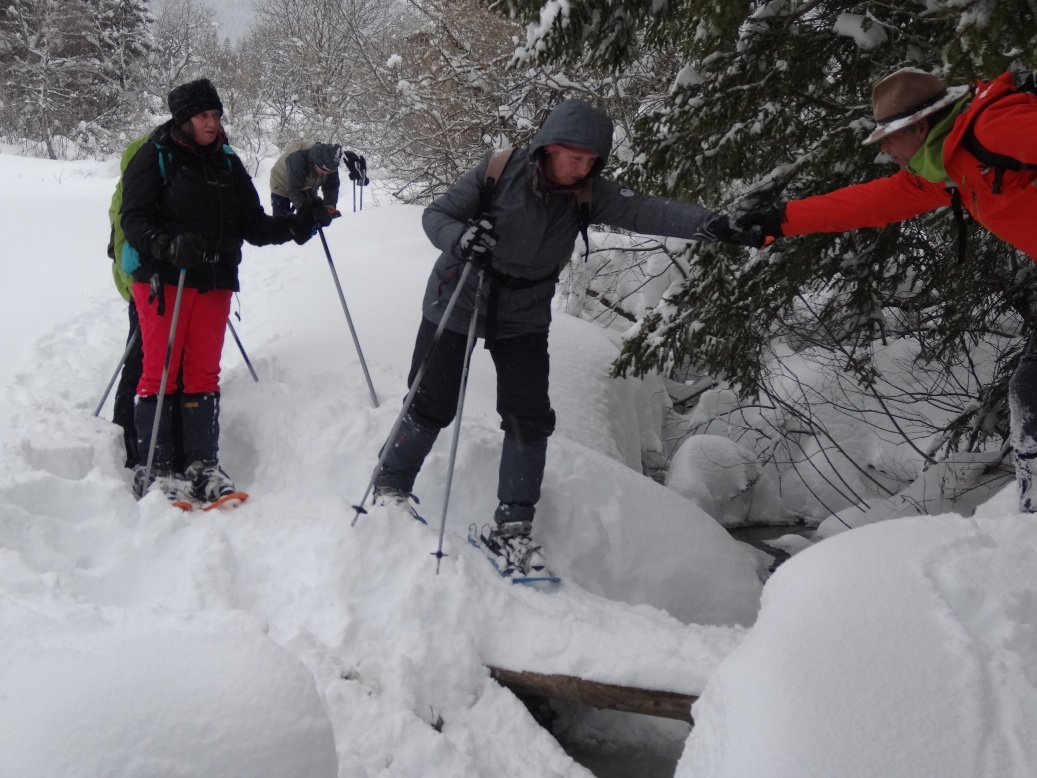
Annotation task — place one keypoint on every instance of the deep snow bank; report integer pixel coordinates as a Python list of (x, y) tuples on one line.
[(132, 692), (905, 648)]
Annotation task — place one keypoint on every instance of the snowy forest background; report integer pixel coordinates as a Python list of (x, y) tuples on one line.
[(732, 104)]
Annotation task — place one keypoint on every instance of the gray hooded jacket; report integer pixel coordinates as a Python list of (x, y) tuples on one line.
[(537, 230)]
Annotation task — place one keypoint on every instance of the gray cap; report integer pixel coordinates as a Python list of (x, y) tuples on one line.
[(325, 156)]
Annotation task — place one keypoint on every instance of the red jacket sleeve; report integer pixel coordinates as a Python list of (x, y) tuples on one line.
[(876, 203)]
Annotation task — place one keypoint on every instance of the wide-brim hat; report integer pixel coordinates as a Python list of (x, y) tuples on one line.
[(908, 96)]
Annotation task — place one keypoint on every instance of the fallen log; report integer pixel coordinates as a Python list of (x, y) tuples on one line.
[(629, 699)]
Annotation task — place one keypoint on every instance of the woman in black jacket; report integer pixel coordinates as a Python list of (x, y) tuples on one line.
[(188, 204)]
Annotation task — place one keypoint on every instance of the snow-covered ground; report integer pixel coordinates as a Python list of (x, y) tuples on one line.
[(278, 639)]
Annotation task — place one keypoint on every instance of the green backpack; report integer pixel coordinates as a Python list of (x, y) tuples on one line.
[(117, 246)]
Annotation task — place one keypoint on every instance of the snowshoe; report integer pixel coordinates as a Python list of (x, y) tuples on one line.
[(211, 487), (512, 552), (226, 502), (390, 497), (172, 487)]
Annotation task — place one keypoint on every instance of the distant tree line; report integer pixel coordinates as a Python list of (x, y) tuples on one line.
[(69, 68), (424, 85)]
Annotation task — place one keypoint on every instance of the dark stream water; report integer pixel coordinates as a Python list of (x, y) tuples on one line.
[(622, 745), (611, 744)]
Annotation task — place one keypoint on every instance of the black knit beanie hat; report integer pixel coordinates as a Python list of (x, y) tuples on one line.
[(193, 98)]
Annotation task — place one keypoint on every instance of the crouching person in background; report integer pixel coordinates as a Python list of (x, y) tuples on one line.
[(306, 166)]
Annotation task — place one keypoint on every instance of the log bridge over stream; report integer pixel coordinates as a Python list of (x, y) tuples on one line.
[(650, 702)]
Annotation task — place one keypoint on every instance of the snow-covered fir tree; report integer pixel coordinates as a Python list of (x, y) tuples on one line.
[(771, 102)]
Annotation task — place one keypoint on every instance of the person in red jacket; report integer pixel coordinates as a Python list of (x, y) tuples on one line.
[(947, 142)]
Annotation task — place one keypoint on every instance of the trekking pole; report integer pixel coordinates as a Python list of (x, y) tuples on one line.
[(165, 377), (122, 360), (363, 177), (354, 196), (457, 418), (349, 319), (242, 350), (409, 399)]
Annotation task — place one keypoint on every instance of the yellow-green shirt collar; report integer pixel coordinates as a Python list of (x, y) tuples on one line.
[(928, 160)]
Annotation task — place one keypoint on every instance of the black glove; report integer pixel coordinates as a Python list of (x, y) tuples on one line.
[(319, 212), (301, 225), (719, 229), (357, 166), (767, 220), (185, 250), (477, 241)]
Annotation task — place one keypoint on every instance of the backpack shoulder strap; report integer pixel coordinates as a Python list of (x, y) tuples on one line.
[(583, 196), (1024, 82), (164, 156), (228, 152), (498, 162), (494, 170)]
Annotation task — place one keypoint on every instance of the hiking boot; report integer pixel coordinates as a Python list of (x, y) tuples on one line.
[(1027, 486), (171, 486), (391, 497), (513, 545), (511, 513), (208, 482), (1027, 496)]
